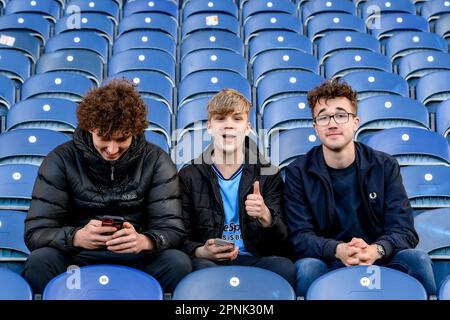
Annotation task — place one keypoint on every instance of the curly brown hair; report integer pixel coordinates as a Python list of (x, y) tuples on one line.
[(113, 108), (331, 89)]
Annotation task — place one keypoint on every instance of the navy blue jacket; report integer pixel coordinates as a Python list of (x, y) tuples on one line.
[(310, 204)]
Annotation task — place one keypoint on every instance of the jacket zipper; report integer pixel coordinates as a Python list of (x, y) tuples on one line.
[(112, 173)]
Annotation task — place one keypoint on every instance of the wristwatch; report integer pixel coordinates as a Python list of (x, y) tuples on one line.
[(380, 250)]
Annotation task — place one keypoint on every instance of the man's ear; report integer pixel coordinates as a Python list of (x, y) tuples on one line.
[(208, 126)]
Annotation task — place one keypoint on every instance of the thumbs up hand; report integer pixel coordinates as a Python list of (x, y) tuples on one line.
[(256, 208)]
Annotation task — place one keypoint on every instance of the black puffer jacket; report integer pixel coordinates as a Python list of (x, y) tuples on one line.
[(75, 184), (203, 212)]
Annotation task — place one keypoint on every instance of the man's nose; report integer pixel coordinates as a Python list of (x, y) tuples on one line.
[(112, 147)]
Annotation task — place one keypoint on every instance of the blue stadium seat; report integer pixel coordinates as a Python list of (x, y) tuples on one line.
[(213, 59), (286, 113), (337, 41), (427, 186), (373, 82), (79, 40), (17, 186), (433, 88), (381, 7), (21, 41), (253, 7), (408, 42), (433, 10), (282, 59), (143, 60), (207, 83), (29, 146), (418, 64), (347, 61), (412, 146), (434, 237), (7, 95), (270, 21), (312, 9), (97, 22), (274, 40), (206, 21), (57, 84), (84, 62), (49, 9), (157, 139), (190, 146), (149, 21), (159, 117), (32, 23), (389, 111), (210, 7), (150, 84), (15, 65), (366, 283), (211, 39), (107, 8), (443, 118), (390, 24), (104, 282), (442, 27), (327, 22), (139, 6), (278, 85), (141, 39), (45, 113), (233, 283), (444, 293), (287, 145), (13, 250), (14, 287)]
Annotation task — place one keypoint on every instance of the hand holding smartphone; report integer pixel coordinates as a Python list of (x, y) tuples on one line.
[(221, 242), (113, 221)]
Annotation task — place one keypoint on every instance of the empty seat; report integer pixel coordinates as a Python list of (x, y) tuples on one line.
[(149, 21), (15, 65), (228, 7), (270, 21), (33, 23), (253, 7), (7, 94), (327, 22), (433, 10), (380, 7), (17, 186), (442, 27), (366, 283), (165, 7), (412, 146), (107, 8), (233, 283), (444, 292), (141, 39), (159, 117), (21, 41), (443, 118), (312, 9), (49, 9), (104, 282), (157, 139), (14, 287), (389, 24), (433, 88), (209, 21), (13, 250)]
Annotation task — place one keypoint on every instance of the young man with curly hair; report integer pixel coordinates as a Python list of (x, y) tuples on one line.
[(108, 169)]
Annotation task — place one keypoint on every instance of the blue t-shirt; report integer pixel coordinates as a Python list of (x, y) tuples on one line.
[(229, 190)]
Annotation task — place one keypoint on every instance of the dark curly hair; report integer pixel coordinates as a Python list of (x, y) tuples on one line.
[(331, 89), (113, 108)]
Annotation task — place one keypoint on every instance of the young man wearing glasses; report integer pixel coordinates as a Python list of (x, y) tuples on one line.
[(345, 202)]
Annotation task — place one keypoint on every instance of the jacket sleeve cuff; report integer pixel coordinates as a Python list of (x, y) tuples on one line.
[(388, 248), (329, 250)]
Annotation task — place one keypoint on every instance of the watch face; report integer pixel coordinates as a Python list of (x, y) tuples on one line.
[(380, 250)]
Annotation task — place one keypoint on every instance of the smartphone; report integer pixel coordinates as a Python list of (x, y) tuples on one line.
[(113, 221), (221, 242)]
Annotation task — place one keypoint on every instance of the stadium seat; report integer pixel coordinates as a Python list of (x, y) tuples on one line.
[(389, 111), (433, 228), (13, 251), (444, 293), (270, 21), (433, 10), (21, 41), (15, 65), (427, 186), (287, 145), (390, 24), (280, 84), (84, 62), (103, 282), (213, 59), (207, 21), (312, 9), (107, 8), (57, 84), (139, 6), (233, 283), (143, 60), (209, 7), (97, 22), (433, 88), (254, 7), (190, 146), (366, 283), (17, 186), (29, 145), (442, 27), (443, 119), (157, 139), (79, 40), (14, 287), (347, 61), (159, 117), (338, 41), (211, 39), (412, 146), (148, 22), (274, 40), (381, 7), (32, 23), (49, 9), (141, 39), (207, 83), (7, 95), (327, 22), (44, 113), (372, 82)]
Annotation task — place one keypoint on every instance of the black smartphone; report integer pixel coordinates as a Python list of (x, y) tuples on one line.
[(113, 221), (221, 242)]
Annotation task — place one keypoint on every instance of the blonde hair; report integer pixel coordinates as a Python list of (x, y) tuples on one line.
[(226, 102)]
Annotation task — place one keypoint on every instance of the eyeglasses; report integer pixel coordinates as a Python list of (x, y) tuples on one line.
[(339, 118)]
